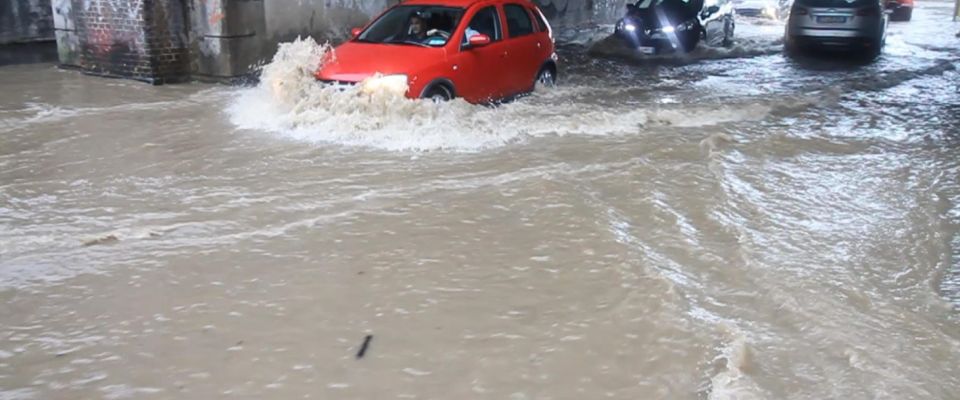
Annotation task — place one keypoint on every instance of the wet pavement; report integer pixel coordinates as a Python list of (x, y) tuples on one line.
[(735, 225)]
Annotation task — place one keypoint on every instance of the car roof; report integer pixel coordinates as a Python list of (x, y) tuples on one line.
[(455, 3)]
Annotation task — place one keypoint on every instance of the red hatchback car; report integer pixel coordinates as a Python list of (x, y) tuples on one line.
[(479, 50)]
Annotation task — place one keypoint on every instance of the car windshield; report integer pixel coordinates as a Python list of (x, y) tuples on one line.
[(836, 3), (676, 10), (644, 4), (428, 26)]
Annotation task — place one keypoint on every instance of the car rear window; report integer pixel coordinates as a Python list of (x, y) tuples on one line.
[(837, 3), (518, 20)]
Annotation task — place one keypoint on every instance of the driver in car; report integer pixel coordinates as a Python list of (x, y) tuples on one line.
[(416, 29)]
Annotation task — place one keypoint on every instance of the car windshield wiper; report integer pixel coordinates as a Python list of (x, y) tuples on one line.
[(407, 42)]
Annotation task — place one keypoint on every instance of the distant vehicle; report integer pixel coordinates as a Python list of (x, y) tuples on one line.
[(657, 26), (825, 24), (775, 9), (479, 50), (902, 10)]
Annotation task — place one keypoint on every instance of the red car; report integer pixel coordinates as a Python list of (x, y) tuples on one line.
[(479, 50)]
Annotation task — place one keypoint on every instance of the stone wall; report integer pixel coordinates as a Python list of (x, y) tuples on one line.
[(227, 37), (324, 20), (25, 21), (169, 40), (139, 39)]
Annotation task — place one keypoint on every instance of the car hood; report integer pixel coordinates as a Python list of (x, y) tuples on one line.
[(355, 61)]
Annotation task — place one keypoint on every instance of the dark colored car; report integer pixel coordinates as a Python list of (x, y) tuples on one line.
[(902, 10), (656, 26), (826, 24)]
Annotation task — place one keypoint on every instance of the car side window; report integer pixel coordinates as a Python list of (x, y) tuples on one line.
[(485, 21), (518, 21)]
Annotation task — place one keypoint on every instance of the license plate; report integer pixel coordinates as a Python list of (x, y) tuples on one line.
[(831, 20), (646, 49)]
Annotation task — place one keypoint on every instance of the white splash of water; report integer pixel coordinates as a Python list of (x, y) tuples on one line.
[(733, 382), (291, 103)]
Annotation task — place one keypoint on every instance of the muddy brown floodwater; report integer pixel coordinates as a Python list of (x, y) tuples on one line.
[(736, 226)]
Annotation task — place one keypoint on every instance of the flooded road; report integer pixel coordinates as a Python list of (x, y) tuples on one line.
[(739, 226)]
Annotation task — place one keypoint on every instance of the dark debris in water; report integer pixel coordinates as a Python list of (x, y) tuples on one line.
[(364, 346)]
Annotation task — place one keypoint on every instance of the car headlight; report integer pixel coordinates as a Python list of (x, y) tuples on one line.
[(668, 29), (684, 26), (626, 25), (384, 83)]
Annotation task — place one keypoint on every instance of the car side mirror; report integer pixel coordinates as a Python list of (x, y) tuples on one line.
[(479, 40), (712, 9), (355, 32)]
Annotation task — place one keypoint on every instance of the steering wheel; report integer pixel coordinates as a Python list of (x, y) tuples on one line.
[(437, 32)]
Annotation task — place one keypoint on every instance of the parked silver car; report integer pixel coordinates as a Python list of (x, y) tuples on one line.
[(775, 9), (824, 24)]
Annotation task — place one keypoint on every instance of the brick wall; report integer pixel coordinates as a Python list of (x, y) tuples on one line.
[(139, 39)]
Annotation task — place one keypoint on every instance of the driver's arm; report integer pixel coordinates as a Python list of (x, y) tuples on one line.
[(435, 32)]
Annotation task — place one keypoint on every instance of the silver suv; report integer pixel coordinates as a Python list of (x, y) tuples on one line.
[(858, 24)]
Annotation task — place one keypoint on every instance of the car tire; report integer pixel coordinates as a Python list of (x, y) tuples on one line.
[(876, 48), (438, 93), (902, 14), (728, 29), (791, 48), (689, 41), (547, 77)]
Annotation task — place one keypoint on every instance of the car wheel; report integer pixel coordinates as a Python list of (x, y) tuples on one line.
[(438, 94), (876, 48), (791, 47), (689, 41), (728, 29), (902, 14), (546, 77)]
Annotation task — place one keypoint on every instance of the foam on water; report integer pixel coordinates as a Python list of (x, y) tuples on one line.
[(732, 381), (615, 48)]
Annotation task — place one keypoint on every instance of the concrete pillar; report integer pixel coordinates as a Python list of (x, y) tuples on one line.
[(139, 39), (65, 31), (227, 37)]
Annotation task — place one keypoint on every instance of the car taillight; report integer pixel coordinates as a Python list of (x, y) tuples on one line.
[(868, 12), (800, 11)]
